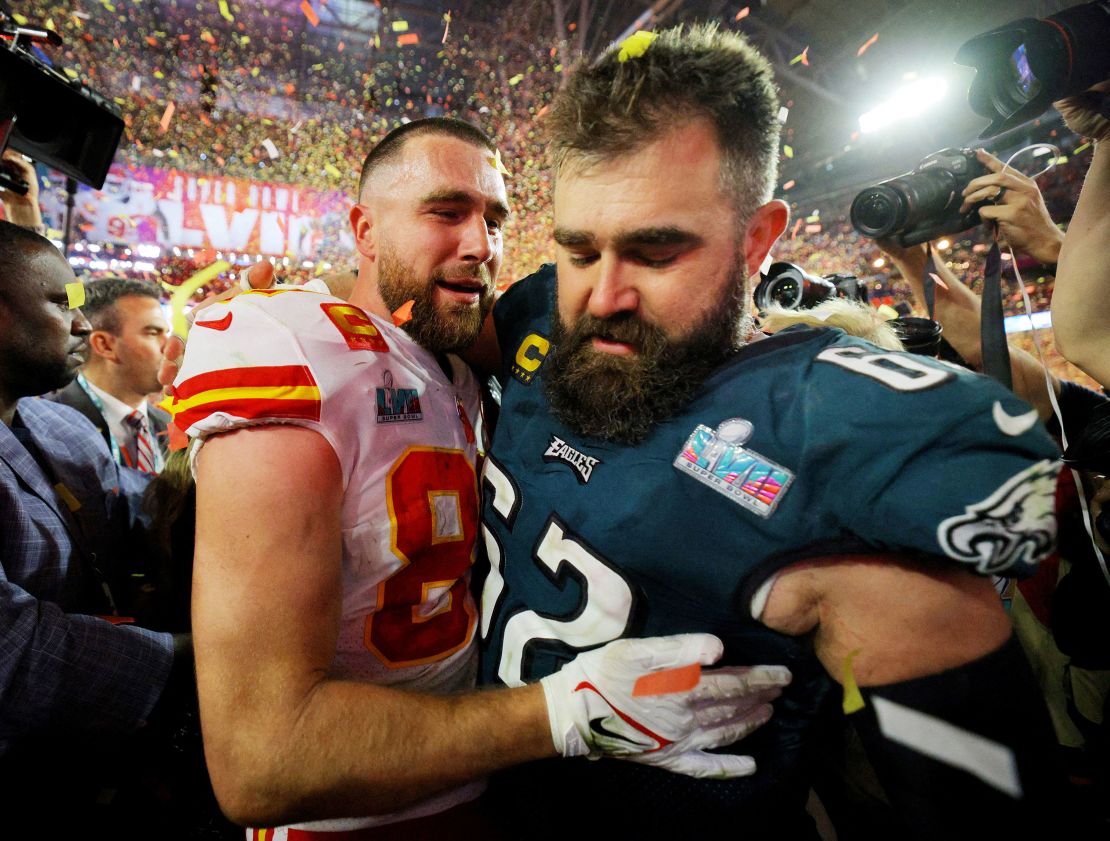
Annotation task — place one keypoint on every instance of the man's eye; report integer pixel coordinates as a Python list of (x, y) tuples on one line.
[(446, 214), (656, 262), (493, 224), (582, 259)]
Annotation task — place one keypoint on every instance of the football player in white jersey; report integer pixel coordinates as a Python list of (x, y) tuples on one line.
[(327, 607)]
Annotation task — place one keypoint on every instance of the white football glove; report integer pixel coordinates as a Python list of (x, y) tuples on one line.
[(594, 709)]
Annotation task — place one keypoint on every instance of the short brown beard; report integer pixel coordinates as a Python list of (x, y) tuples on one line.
[(440, 330), (621, 398)]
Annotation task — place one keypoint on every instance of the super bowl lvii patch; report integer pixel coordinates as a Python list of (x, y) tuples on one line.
[(397, 404), (717, 458)]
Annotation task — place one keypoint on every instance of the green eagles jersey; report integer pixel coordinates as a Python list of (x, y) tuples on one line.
[(807, 444)]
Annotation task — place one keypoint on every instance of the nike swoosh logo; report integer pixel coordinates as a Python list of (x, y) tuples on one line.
[(1011, 425), (222, 324), (598, 727)]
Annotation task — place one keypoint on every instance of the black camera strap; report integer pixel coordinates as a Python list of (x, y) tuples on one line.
[(929, 284), (992, 329)]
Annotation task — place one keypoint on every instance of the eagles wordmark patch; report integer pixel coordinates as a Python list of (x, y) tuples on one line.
[(717, 458), (582, 465)]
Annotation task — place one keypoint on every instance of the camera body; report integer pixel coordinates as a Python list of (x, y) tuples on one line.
[(59, 122), (1024, 66), (793, 288), (923, 204)]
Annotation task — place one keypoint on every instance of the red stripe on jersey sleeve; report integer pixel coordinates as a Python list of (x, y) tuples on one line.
[(251, 408), (266, 376)]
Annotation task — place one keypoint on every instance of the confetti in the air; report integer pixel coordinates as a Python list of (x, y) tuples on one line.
[(225, 12), (400, 26), (310, 13), (797, 227), (446, 27), (788, 185), (938, 281), (784, 112), (271, 149), (867, 44), (635, 45), (408, 38), (167, 115), (803, 57), (743, 13), (788, 150)]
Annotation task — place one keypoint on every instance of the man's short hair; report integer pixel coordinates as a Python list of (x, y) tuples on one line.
[(101, 297), (613, 108), (16, 245), (389, 147)]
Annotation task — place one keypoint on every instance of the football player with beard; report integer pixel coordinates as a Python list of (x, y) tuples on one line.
[(333, 620), (811, 499)]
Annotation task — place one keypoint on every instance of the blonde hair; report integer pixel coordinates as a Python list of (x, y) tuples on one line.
[(854, 318)]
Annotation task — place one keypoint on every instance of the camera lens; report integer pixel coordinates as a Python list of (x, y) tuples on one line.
[(878, 211), (918, 335), (786, 292)]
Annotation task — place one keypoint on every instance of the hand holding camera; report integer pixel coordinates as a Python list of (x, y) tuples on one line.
[(1014, 202)]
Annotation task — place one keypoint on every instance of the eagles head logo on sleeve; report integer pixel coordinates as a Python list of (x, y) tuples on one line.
[(1015, 526)]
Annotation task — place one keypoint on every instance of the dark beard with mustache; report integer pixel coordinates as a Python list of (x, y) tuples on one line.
[(448, 329), (621, 398)]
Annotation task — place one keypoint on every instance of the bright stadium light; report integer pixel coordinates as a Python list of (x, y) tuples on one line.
[(908, 101)]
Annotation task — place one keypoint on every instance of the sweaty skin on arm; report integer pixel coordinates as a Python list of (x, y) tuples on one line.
[(285, 741), (1080, 300), (906, 621)]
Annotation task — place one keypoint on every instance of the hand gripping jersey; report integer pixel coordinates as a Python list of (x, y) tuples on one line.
[(402, 432), (807, 444)]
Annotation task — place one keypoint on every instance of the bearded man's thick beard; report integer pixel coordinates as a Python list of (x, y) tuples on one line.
[(621, 398), (437, 330)]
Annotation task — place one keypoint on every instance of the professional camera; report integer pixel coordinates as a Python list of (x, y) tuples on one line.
[(923, 204), (47, 116), (793, 288), (1024, 66)]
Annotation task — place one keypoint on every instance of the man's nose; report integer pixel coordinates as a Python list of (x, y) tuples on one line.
[(613, 291)]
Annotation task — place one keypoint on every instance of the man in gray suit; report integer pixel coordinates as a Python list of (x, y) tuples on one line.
[(125, 349)]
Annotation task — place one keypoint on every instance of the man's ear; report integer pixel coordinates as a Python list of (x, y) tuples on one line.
[(362, 226), (764, 228), (103, 343)]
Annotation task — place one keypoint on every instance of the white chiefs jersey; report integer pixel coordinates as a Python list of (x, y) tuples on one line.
[(404, 436)]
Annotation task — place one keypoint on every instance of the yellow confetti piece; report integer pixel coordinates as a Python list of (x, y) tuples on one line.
[(76, 293), (635, 45), (22, 21), (495, 161), (225, 12), (400, 26), (332, 170), (516, 80), (853, 700), (72, 503), (788, 151), (69, 71), (179, 295)]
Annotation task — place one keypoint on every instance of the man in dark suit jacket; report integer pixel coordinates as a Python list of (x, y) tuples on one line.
[(72, 680), (128, 332)]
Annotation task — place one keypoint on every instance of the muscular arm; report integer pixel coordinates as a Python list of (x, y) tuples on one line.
[(284, 740), (952, 719), (906, 621), (1080, 304)]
